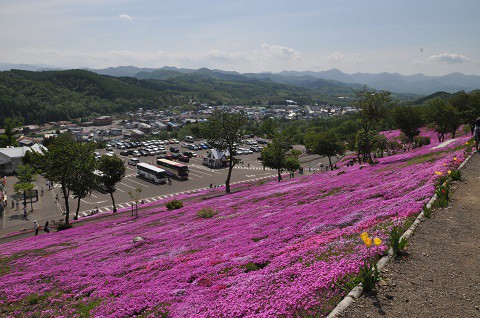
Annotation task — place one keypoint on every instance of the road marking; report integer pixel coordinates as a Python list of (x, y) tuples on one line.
[(250, 175), (193, 174), (129, 186), (143, 185), (148, 200), (208, 174)]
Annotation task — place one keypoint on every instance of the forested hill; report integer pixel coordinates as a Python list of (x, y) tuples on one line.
[(62, 95)]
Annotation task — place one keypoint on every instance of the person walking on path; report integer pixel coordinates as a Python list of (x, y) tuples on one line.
[(476, 133), (46, 227), (42, 191), (56, 198), (35, 227)]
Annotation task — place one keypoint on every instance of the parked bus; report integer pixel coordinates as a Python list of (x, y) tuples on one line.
[(151, 172), (98, 180), (174, 169)]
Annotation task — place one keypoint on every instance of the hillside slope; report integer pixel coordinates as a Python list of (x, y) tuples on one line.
[(277, 249)]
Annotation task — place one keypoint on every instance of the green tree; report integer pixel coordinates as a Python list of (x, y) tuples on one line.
[(380, 144), (223, 132), (57, 166), (408, 119), (268, 128), (292, 163), (325, 144), (371, 106), (442, 116), (113, 170), (136, 198), (275, 153), (26, 176), (84, 173), (8, 138)]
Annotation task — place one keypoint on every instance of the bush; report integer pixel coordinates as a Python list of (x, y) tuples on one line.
[(456, 175), (174, 205), (206, 213), (64, 226), (396, 243), (422, 140)]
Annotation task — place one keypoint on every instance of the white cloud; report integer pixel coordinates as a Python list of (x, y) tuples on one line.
[(125, 17), (278, 52), (337, 57), (445, 58)]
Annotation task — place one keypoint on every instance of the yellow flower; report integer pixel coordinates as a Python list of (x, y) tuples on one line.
[(444, 164), (368, 241), (364, 235), (438, 173), (454, 158), (466, 143), (449, 171), (377, 241)]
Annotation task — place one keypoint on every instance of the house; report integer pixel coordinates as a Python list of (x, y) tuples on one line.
[(11, 157), (215, 158), (103, 120)]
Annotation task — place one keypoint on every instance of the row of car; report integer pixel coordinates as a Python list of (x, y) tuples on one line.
[(195, 147), (135, 144)]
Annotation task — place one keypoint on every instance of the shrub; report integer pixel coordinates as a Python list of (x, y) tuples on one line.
[(422, 140), (397, 244), (174, 205), (206, 213), (456, 175), (427, 212), (64, 226), (369, 275)]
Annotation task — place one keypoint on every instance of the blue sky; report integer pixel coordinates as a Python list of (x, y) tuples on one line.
[(407, 37)]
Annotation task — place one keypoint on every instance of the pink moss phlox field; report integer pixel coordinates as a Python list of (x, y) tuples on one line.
[(272, 250)]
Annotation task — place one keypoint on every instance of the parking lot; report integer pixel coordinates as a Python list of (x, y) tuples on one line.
[(200, 177)]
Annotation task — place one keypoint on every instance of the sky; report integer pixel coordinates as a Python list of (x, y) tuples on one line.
[(434, 37)]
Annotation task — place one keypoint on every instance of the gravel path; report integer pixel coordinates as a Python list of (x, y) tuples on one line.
[(440, 277)]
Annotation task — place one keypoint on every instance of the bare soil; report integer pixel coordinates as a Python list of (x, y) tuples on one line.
[(440, 275)]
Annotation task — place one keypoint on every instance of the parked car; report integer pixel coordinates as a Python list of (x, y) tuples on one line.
[(136, 153), (169, 156), (183, 158), (175, 150), (133, 161)]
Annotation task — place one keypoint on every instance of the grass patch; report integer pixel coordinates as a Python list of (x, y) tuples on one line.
[(258, 239), (331, 192), (252, 266), (84, 309)]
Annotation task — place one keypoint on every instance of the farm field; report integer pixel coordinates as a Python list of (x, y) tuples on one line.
[(275, 249)]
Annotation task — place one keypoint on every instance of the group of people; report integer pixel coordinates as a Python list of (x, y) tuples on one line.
[(36, 227)]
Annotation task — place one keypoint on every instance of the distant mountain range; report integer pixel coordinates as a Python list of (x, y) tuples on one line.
[(326, 81)]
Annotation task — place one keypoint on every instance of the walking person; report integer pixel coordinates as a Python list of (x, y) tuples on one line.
[(42, 191), (35, 227), (24, 211), (56, 198), (169, 181), (46, 227), (476, 133)]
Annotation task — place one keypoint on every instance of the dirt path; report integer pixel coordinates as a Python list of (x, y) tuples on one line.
[(441, 275)]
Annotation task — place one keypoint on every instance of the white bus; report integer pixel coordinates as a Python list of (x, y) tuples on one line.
[(151, 172), (174, 169)]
